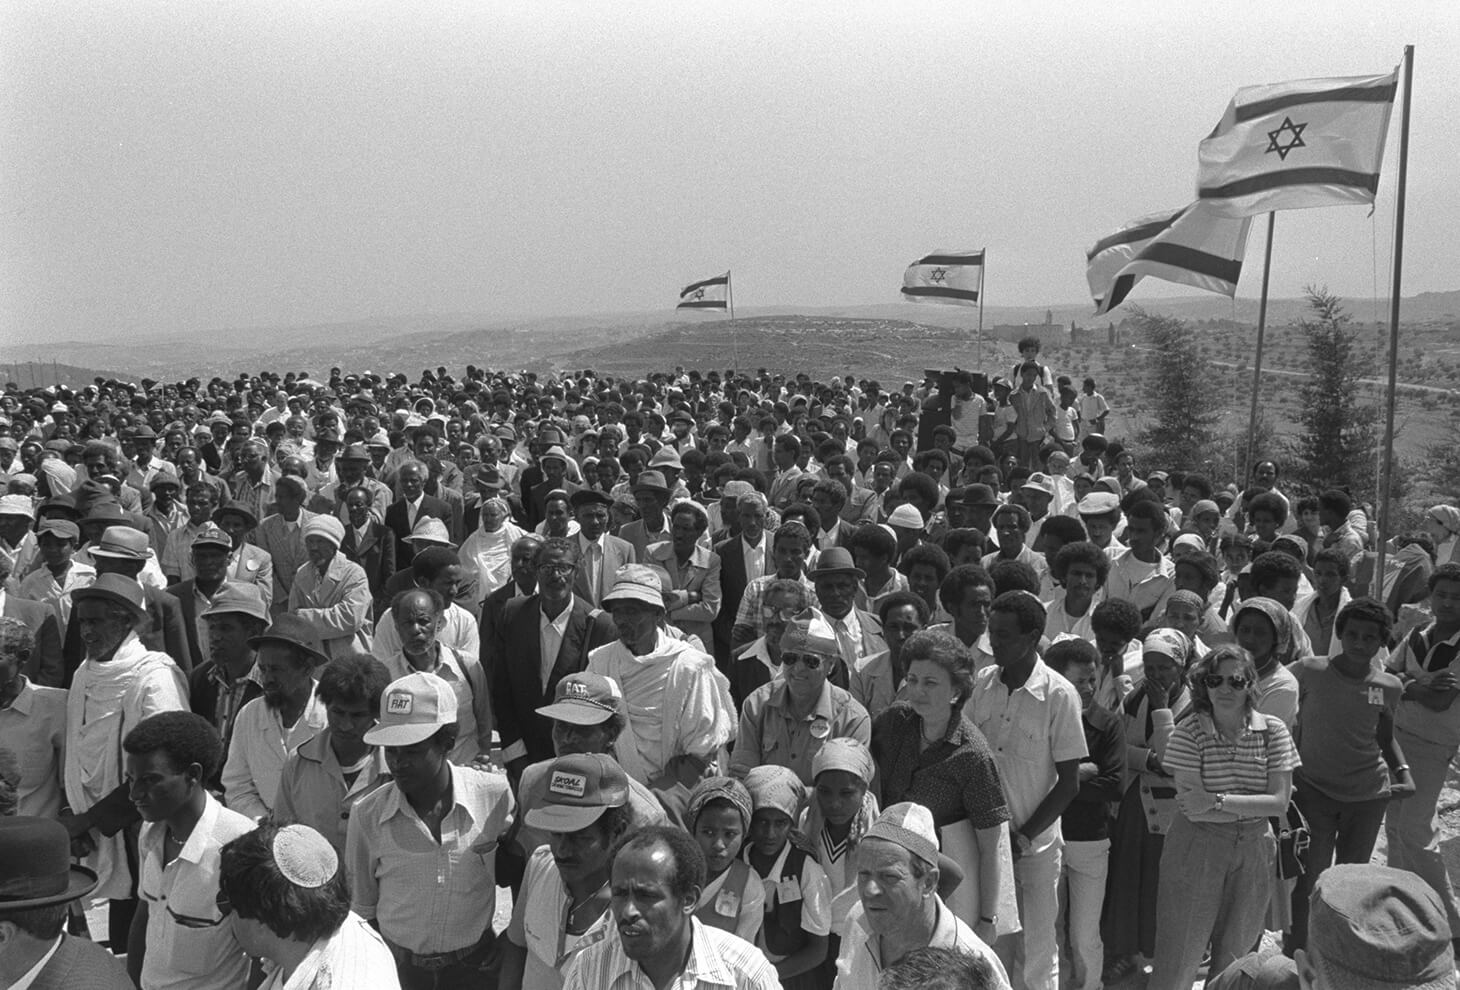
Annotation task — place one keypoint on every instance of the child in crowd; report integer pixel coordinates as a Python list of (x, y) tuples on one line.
[(1116, 624), (1352, 766), (797, 919), (733, 898)]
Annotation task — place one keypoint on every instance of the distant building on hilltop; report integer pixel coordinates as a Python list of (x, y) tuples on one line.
[(1049, 332)]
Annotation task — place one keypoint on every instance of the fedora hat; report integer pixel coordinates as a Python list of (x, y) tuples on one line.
[(115, 588), (650, 481), (35, 865), (293, 631), (836, 560), (237, 508), (122, 543)]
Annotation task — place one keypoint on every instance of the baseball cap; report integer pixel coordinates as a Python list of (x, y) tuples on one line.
[(1039, 482), (578, 789), (211, 535), (64, 528), (809, 632), (413, 709), (1376, 928), (584, 699)]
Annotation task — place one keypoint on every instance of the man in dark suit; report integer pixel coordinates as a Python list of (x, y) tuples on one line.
[(554, 462), (739, 556), (123, 550), (525, 675), (414, 503), (523, 584), (369, 544), (35, 860), (223, 684)]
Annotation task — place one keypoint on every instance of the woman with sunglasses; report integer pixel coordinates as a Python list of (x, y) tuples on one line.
[(1233, 768), (784, 722), (927, 751)]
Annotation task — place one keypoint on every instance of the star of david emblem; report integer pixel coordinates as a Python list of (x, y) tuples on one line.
[(698, 294), (1294, 141), (938, 275)]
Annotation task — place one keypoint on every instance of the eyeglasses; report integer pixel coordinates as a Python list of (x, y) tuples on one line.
[(224, 905), (1214, 681), (770, 612), (559, 569), (812, 661)]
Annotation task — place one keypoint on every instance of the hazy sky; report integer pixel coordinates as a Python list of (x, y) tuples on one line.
[(190, 166)]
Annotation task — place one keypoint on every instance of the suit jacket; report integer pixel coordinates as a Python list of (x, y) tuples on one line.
[(285, 550), (616, 553), (640, 538), (165, 634), (733, 582), (518, 691), (455, 509), (79, 962), (330, 500), (253, 565), (47, 667), (187, 600), (491, 620), (375, 554), (398, 521), (536, 501), (700, 575)]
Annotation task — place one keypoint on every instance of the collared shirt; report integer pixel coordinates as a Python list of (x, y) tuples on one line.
[(1059, 622), (717, 960), (313, 790), (1146, 584), (230, 697), (177, 556), (955, 778), (592, 566), (860, 963), (258, 749), (1419, 658), (550, 633), (749, 613), (459, 630), (1263, 747), (354, 956), (538, 924), (770, 734), (463, 671), (755, 557), (1030, 730), (33, 729), (190, 946), (429, 897), (40, 585)]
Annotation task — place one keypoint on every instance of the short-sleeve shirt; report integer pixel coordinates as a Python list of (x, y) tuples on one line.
[(1030, 730), (1337, 719), (1263, 747), (954, 778), (537, 925), (1421, 655)]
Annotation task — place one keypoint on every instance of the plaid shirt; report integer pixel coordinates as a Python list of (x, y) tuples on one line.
[(717, 959)]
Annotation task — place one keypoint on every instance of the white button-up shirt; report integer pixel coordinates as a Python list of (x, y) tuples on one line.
[(717, 959), (258, 749), (1029, 730), (190, 946)]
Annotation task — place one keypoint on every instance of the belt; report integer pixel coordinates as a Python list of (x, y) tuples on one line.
[(432, 962)]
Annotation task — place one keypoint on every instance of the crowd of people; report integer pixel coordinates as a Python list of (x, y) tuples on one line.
[(734, 680)]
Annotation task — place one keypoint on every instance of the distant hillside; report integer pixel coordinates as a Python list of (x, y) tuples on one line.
[(38, 374)]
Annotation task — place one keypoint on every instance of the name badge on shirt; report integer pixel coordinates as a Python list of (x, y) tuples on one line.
[(1376, 696), (727, 903), (788, 891)]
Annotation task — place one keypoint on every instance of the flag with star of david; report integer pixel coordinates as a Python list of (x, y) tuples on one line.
[(954, 277), (1192, 246), (1293, 145), (708, 293)]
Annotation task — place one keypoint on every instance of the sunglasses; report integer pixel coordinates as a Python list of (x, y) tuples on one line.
[(1214, 681), (812, 661)]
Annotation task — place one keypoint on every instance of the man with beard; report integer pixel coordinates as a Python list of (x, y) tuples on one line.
[(541, 639), (419, 849), (654, 886), (178, 938), (271, 727), (418, 615)]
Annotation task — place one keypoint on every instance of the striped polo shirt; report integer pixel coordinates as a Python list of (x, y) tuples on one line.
[(1242, 767)]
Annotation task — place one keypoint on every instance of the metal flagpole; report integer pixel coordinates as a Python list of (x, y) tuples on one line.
[(1386, 478), (734, 332), (1257, 363), (981, 269)]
